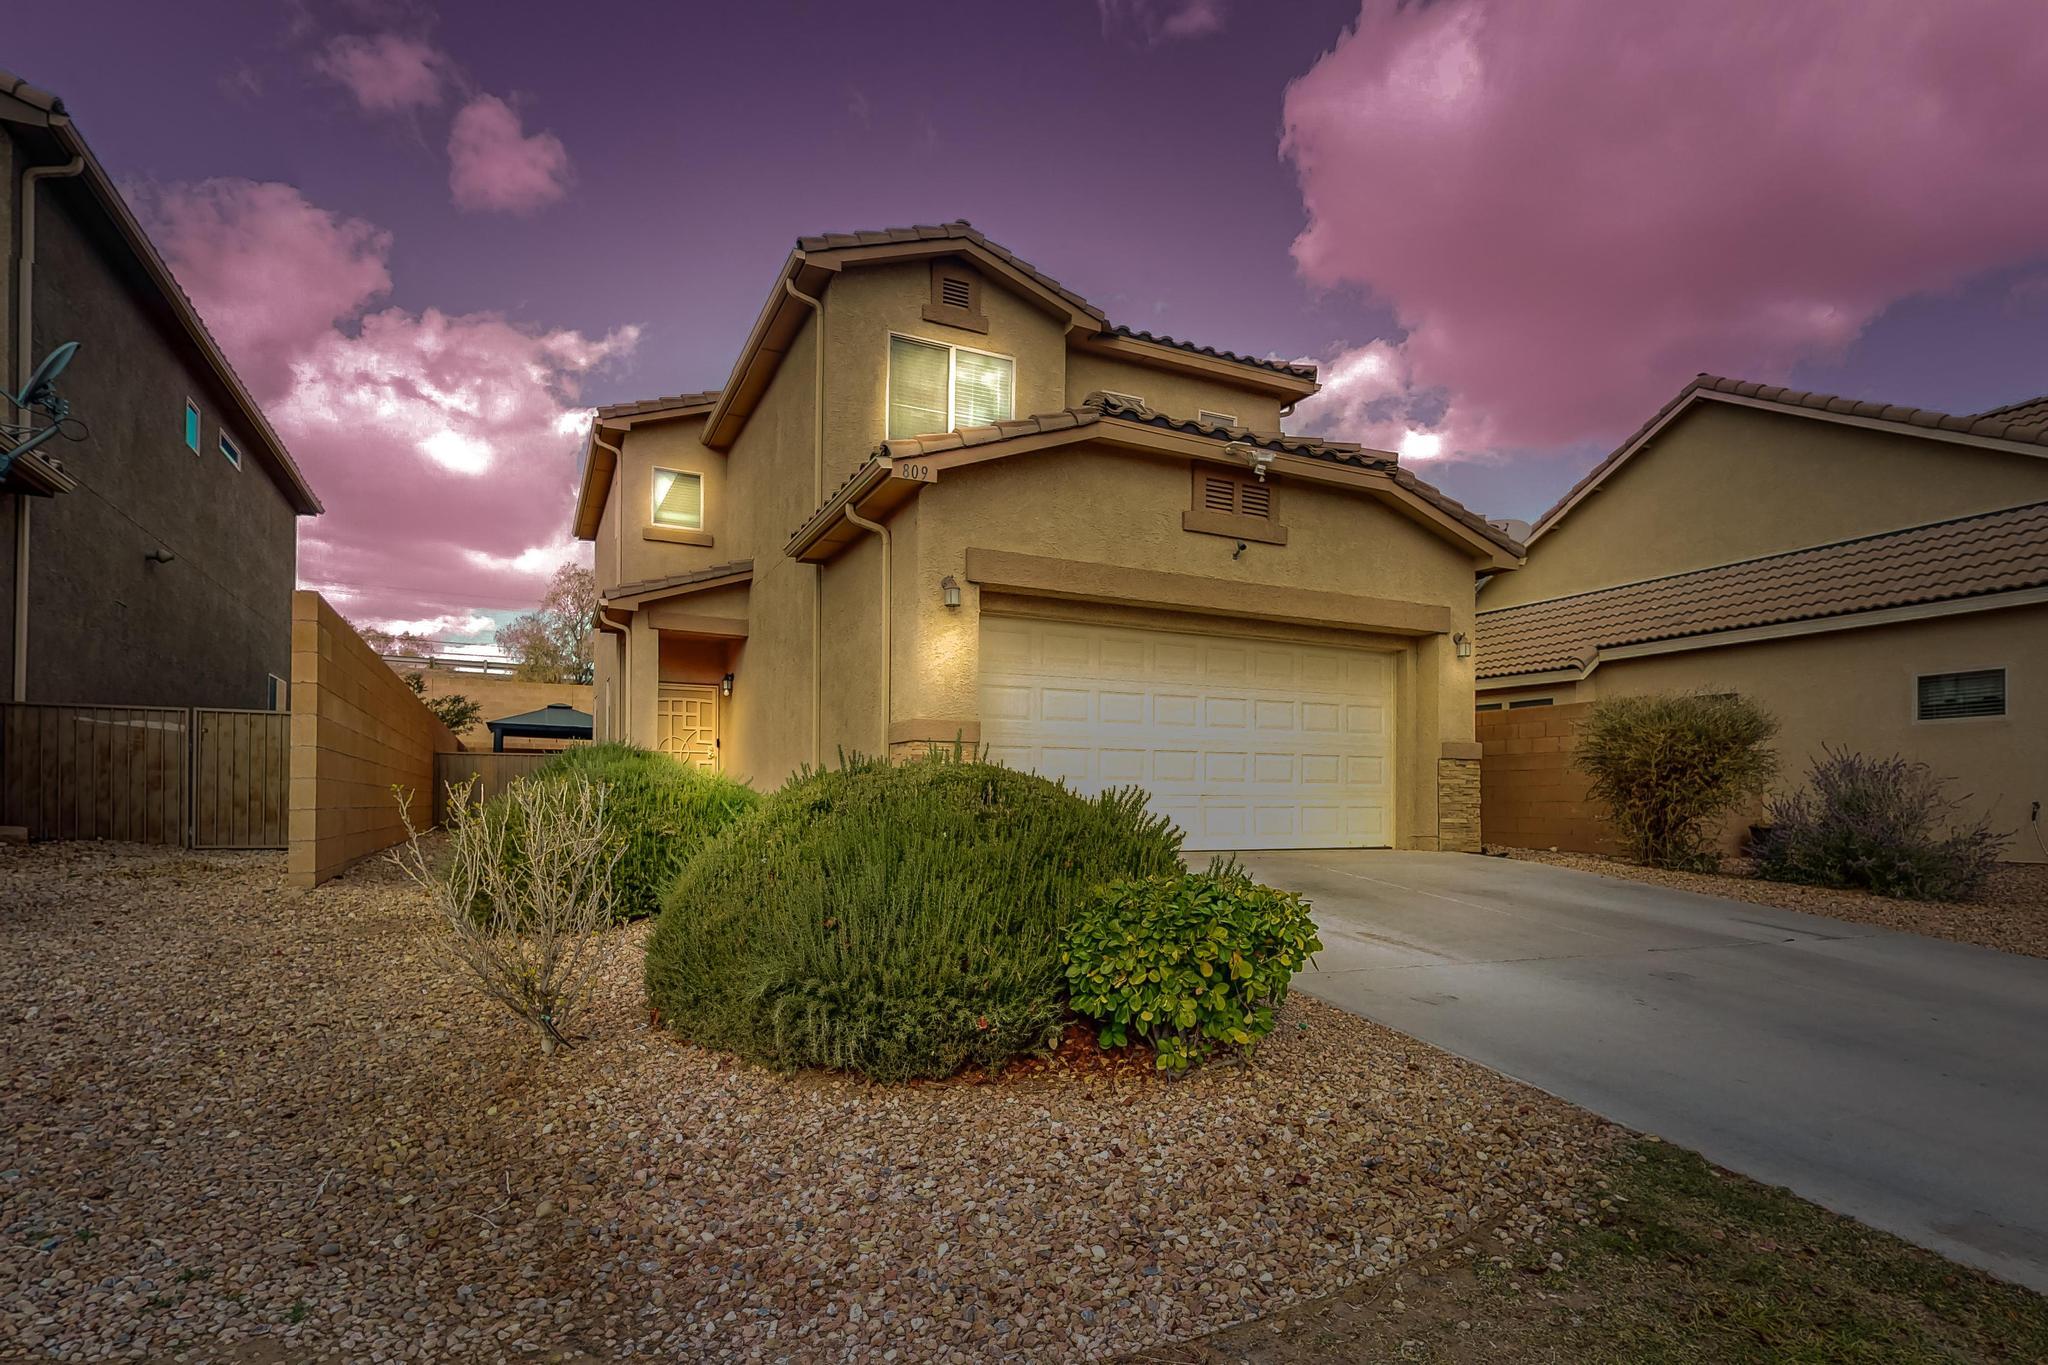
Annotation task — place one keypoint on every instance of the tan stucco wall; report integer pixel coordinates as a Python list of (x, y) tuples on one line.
[(357, 731), (1724, 483), (1855, 689), (1176, 395)]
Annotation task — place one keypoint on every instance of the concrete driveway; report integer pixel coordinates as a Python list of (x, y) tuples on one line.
[(1898, 1079)]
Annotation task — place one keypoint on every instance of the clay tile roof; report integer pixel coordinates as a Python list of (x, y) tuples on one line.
[(644, 405), (1942, 561), (959, 230), (1277, 366), (2026, 421), (640, 587), (962, 230), (1097, 406)]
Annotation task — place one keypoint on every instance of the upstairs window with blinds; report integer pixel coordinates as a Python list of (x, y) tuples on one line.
[(678, 499), (935, 388), (1961, 696), (1234, 494)]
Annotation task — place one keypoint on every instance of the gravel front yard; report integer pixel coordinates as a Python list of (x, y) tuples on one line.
[(235, 1112), (2012, 917)]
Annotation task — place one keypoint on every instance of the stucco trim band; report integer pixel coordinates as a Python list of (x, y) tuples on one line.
[(1080, 581)]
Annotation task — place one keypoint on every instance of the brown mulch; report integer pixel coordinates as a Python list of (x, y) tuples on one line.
[(2012, 917), (238, 1122)]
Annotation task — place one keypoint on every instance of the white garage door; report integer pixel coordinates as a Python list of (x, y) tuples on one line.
[(1245, 744)]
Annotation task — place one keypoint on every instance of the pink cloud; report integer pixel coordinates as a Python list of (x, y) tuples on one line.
[(1573, 207), (385, 72), (494, 164), (444, 446), (1156, 21), (269, 268)]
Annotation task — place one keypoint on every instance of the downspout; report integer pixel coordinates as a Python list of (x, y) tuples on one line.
[(625, 672), (817, 307), (888, 649), (24, 362)]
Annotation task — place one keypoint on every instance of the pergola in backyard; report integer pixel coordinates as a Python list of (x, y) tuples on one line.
[(557, 721)]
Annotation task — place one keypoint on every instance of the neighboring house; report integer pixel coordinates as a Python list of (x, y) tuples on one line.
[(152, 561), (1875, 575), (499, 694), (979, 512)]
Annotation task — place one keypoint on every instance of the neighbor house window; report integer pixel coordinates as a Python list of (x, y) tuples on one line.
[(231, 450), (192, 426), (1217, 419), (1487, 706), (1531, 701), (1960, 696), (935, 388), (280, 693), (678, 499)]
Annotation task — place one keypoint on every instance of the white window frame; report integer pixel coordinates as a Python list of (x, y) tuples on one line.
[(1215, 419), (653, 505), (231, 451), (952, 380), (1913, 695), (195, 426), (280, 693)]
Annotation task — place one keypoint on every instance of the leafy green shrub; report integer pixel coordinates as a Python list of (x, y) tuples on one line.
[(897, 921), (1188, 962), (1668, 765), (1877, 824), (664, 810)]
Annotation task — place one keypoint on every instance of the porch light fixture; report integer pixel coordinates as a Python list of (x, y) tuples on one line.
[(1464, 645), (949, 590), (725, 686)]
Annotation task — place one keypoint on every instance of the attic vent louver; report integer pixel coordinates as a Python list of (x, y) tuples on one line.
[(955, 292)]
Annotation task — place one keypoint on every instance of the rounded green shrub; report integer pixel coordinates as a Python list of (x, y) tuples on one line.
[(1188, 963), (897, 921), (665, 811), (1669, 765)]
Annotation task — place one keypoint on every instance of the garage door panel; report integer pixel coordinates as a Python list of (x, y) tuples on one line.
[(1243, 744)]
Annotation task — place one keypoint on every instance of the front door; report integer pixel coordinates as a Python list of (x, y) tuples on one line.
[(686, 724)]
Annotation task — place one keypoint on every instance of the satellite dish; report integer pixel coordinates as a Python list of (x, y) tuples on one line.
[(38, 389)]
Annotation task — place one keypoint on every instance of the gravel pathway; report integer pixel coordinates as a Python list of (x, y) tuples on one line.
[(241, 1123), (2012, 917)]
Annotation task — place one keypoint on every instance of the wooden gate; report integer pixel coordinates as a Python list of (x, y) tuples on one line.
[(493, 773), (95, 772), (241, 778)]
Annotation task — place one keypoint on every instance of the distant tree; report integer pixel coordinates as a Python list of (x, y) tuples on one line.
[(387, 643), (456, 711), (552, 642)]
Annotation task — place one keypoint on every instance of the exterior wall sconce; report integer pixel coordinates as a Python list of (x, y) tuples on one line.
[(949, 590), (725, 686), (1464, 644)]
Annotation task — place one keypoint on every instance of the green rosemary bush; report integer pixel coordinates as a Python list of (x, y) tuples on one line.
[(663, 810), (1189, 963), (1877, 824), (896, 921)]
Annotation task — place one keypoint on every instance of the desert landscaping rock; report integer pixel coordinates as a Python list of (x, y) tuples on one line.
[(2012, 917), (247, 1124)]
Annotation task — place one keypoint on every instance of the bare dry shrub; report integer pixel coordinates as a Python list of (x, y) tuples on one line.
[(526, 893)]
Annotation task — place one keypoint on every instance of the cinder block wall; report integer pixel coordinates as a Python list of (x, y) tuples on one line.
[(1530, 796), (357, 731), (501, 697)]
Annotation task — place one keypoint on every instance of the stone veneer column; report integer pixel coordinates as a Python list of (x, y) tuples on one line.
[(1457, 799)]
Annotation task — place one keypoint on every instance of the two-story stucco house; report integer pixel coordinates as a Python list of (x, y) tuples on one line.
[(943, 498), (148, 560)]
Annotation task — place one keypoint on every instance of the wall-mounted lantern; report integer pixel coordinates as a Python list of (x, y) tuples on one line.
[(725, 686), (1464, 645), (949, 590)]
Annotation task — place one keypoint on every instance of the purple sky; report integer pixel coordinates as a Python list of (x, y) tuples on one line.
[(431, 235)]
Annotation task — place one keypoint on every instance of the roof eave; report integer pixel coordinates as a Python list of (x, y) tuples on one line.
[(1242, 374), (305, 502)]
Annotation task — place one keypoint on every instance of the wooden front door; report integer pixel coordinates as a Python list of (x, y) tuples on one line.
[(686, 724)]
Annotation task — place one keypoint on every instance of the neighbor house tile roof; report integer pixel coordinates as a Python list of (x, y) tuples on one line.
[(962, 230), (645, 405), (1942, 561), (2025, 422)]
